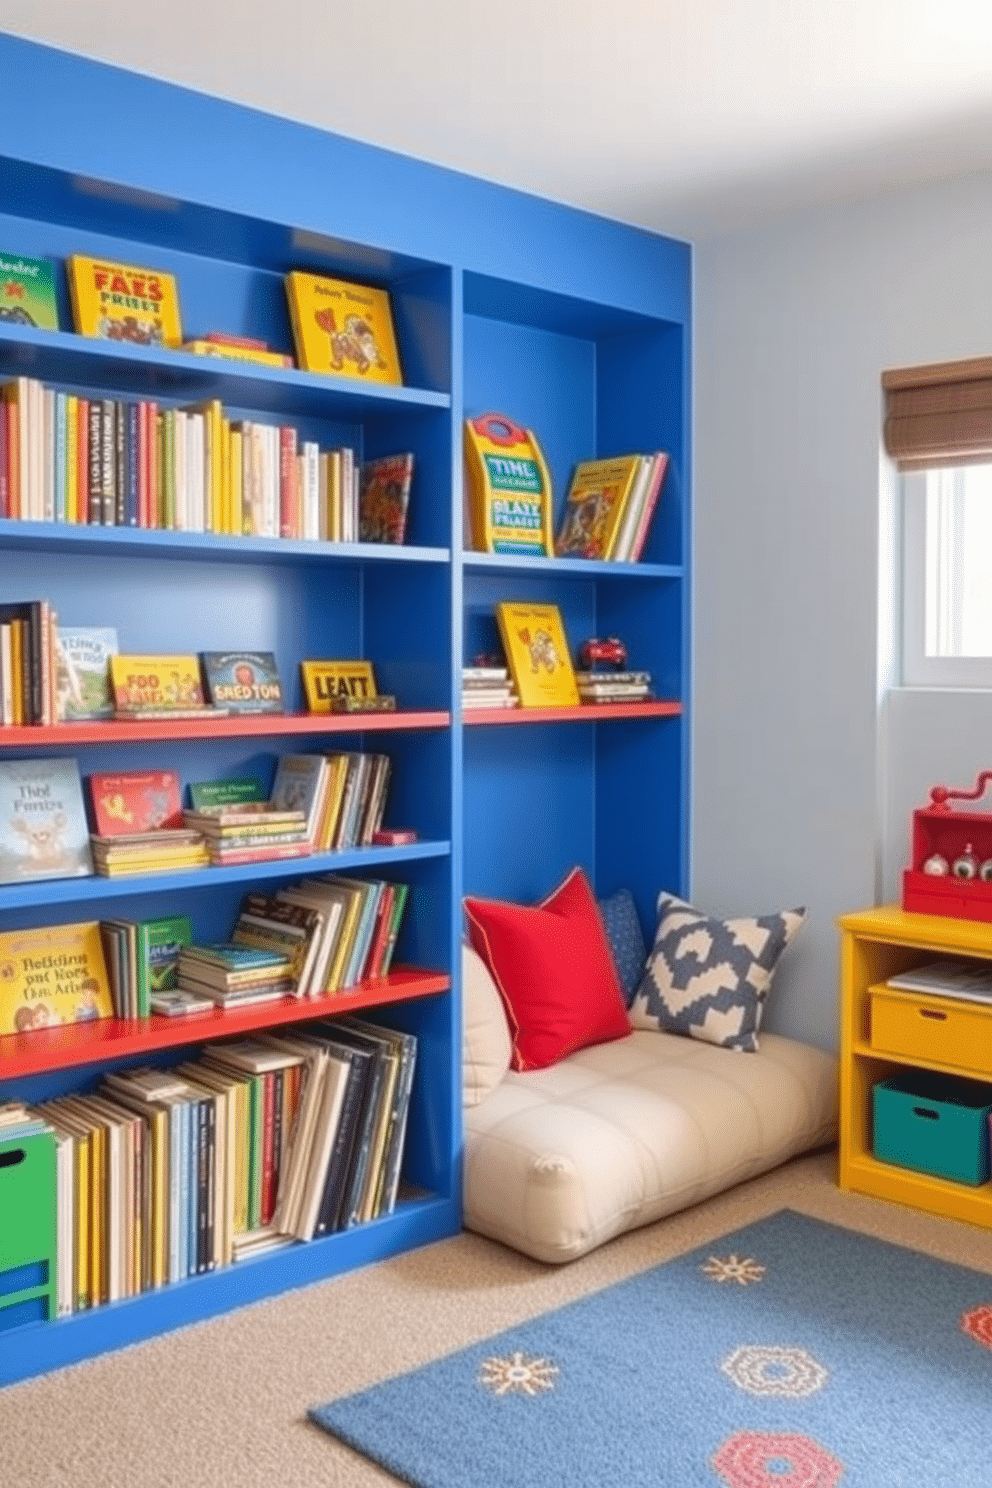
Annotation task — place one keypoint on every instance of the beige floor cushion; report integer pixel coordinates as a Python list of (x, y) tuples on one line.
[(615, 1136)]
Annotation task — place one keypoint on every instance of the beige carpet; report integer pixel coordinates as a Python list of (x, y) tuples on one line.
[(224, 1402)]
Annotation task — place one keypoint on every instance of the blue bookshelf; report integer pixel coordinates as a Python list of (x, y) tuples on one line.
[(573, 325)]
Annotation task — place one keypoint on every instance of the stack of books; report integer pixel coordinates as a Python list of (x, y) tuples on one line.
[(250, 832), (235, 975), (614, 687), (487, 687), (165, 850)]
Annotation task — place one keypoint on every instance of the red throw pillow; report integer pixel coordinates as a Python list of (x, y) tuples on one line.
[(552, 965)]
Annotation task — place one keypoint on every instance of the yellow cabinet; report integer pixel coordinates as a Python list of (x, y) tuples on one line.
[(884, 1032)]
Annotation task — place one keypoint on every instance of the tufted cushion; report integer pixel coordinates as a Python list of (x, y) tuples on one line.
[(552, 965), (626, 939), (559, 1160), (486, 1042), (707, 978)]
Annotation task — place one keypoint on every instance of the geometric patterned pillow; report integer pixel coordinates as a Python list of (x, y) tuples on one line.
[(708, 979), (626, 938)]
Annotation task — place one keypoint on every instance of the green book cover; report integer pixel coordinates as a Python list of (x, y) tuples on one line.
[(27, 292), (207, 793), (161, 941)]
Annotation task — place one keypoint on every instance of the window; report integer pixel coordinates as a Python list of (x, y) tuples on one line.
[(947, 576), (938, 430)]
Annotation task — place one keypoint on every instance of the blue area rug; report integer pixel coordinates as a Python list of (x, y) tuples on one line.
[(789, 1354)]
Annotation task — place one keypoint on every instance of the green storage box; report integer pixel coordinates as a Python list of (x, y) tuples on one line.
[(934, 1124), (27, 1229)]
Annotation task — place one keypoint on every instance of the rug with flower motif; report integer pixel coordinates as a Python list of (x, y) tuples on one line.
[(789, 1354)]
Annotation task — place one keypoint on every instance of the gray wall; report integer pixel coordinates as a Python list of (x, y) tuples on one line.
[(799, 796)]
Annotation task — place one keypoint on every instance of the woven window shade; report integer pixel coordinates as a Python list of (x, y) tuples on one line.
[(939, 415)]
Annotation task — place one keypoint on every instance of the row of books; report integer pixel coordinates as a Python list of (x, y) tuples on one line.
[(609, 506), (163, 1174), (614, 687), (112, 462), (338, 326), (318, 803)]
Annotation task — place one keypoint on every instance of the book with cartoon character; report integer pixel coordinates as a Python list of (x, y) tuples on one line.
[(158, 687), (384, 497), (342, 328), (82, 660), (43, 830), (124, 302), (595, 506), (54, 974), (129, 801), (537, 653), (27, 291)]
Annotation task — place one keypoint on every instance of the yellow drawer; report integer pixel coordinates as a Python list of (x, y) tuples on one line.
[(936, 1029)]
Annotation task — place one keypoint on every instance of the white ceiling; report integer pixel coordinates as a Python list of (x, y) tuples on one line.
[(686, 116)]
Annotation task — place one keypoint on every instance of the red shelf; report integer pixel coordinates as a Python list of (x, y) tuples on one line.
[(228, 727), (584, 713), (73, 1044)]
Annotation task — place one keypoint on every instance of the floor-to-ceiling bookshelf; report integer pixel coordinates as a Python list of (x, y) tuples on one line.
[(578, 328)]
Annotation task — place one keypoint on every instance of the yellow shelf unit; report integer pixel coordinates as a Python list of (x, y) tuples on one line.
[(883, 1031)]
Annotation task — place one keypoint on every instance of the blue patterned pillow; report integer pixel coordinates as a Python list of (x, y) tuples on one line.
[(708, 979), (623, 931)]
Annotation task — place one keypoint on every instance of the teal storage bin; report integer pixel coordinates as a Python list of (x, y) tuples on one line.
[(934, 1124), (27, 1229)]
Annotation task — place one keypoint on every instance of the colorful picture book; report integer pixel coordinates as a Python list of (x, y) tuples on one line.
[(343, 328), (161, 940), (129, 801), (82, 682), (384, 498), (54, 974), (206, 795), (157, 686), (537, 654), (326, 681), (595, 506), (43, 828), (124, 302), (27, 292), (508, 487), (243, 681)]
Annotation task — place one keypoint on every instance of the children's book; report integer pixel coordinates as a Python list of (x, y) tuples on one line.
[(325, 681), (343, 328), (160, 942), (209, 795), (130, 801), (538, 656), (237, 352), (508, 487), (54, 974), (595, 507), (82, 678), (300, 784), (27, 292), (123, 302), (243, 681), (43, 829), (384, 497), (144, 685)]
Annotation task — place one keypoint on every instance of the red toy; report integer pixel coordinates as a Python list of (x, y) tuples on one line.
[(594, 652), (951, 870)]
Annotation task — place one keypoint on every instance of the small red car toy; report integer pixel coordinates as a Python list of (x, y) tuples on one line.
[(596, 652)]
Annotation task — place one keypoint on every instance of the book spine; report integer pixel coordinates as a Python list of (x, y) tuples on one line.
[(94, 475), (650, 502), (108, 467), (328, 1213), (61, 451), (399, 904), (4, 460), (132, 465), (268, 1155)]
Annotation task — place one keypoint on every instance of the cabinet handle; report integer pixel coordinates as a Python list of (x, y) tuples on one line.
[(932, 1013), (922, 1111), (12, 1158)]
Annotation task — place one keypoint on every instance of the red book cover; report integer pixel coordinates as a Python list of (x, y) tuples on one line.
[(384, 915), (260, 854), (129, 801)]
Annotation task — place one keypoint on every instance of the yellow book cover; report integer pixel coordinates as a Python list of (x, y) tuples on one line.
[(53, 974), (234, 464), (123, 302), (337, 775), (238, 353), (323, 681), (144, 682), (595, 506), (537, 654), (343, 328), (508, 488)]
